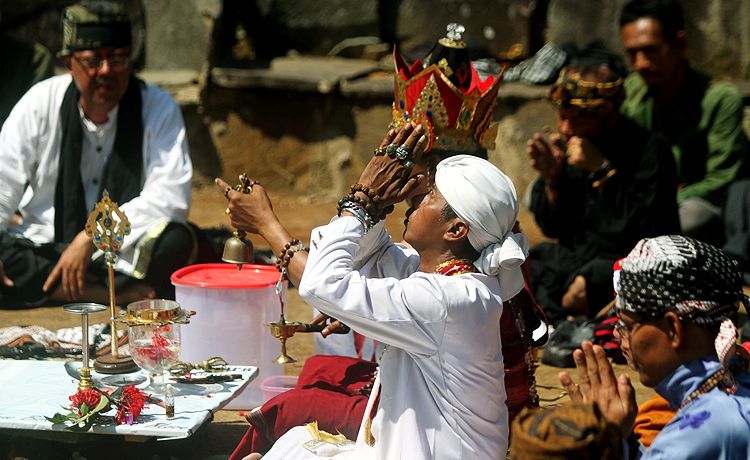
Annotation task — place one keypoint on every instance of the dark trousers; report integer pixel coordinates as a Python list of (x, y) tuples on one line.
[(29, 266), (554, 267)]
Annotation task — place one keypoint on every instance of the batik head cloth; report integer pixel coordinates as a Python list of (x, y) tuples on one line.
[(571, 90), (677, 273), (575, 430), (485, 198)]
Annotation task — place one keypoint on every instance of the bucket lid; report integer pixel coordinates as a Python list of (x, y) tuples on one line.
[(226, 276)]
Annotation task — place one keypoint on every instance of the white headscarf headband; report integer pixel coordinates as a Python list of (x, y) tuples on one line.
[(485, 199)]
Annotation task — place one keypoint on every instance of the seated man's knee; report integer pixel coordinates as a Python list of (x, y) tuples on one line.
[(174, 249), (575, 299), (700, 219)]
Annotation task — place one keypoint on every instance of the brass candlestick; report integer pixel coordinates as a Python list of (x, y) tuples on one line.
[(283, 329), (84, 309), (107, 226)]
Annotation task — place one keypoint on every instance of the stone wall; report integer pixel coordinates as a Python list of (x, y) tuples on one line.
[(718, 32)]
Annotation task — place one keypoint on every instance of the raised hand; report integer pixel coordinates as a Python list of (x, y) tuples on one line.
[(583, 154), (547, 157), (597, 383), (387, 175), (251, 212)]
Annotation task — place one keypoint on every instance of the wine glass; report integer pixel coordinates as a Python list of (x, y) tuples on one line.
[(154, 345)]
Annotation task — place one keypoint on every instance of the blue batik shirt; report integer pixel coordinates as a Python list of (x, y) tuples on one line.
[(715, 426)]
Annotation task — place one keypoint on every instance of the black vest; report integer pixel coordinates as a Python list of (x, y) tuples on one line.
[(122, 173)]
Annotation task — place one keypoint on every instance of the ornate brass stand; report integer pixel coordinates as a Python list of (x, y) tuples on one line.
[(107, 226), (84, 309)]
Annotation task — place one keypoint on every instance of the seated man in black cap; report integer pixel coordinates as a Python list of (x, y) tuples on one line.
[(604, 184), (70, 138)]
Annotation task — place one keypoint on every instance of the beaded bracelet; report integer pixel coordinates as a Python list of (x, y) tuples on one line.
[(357, 187), (287, 252), (369, 206), (359, 213)]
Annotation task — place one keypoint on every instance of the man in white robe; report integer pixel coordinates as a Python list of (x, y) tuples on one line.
[(73, 136), (440, 393)]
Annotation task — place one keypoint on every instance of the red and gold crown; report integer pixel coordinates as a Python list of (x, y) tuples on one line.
[(446, 96)]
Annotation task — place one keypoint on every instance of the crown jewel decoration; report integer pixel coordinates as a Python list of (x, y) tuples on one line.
[(446, 96), (454, 36)]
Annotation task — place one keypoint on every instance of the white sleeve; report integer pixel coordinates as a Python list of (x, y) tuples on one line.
[(408, 313), (18, 156), (167, 168)]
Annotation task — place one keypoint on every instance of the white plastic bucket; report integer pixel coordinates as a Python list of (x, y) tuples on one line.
[(232, 307), (277, 384)]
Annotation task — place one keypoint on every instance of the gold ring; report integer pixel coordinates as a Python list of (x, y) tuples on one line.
[(380, 151), (227, 211)]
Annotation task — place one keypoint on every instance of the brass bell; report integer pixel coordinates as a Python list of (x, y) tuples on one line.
[(238, 250)]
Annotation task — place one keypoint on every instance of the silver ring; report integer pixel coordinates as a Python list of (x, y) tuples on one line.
[(408, 164), (402, 152)]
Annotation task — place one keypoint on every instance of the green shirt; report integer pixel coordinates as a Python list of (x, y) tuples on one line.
[(704, 128)]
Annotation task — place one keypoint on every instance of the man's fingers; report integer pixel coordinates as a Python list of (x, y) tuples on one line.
[(410, 186), (320, 319), (81, 282), (592, 368), (582, 371), (605, 371), (420, 148), (626, 390), (573, 390), (403, 134), (413, 138), (220, 182), (69, 284), (52, 278), (388, 139)]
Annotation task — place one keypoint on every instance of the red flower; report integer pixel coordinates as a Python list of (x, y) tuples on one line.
[(129, 405), (90, 397)]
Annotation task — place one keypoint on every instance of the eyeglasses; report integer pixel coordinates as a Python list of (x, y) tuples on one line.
[(116, 62), (625, 330)]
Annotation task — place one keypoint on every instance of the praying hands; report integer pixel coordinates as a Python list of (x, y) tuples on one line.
[(597, 383)]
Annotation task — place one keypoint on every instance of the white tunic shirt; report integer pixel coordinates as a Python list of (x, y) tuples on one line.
[(442, 390), (29, 154)]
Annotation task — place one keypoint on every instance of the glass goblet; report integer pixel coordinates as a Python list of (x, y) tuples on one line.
[(155, 346)]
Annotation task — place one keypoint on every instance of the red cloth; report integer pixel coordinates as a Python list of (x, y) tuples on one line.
[(327, 391)]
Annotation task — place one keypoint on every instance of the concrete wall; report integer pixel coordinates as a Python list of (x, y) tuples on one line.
[(718, 30), (179, 32)]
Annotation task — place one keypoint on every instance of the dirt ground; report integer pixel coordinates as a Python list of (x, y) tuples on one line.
[(218, 438)]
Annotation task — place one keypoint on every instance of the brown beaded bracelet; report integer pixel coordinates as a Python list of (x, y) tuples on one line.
[(357, 187), (287, 252)]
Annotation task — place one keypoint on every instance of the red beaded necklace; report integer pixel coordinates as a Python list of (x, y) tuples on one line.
[(455, 266)]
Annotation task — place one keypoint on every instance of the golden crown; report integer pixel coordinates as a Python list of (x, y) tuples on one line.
[(447, 97)]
